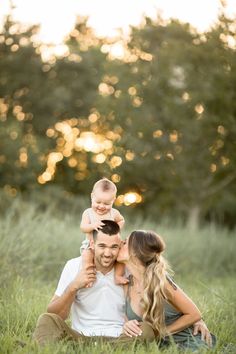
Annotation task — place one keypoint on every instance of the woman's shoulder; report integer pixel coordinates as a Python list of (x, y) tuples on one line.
[(171, 282)]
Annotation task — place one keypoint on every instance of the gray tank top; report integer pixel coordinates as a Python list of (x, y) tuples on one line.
[(131, 315), (171, 314)]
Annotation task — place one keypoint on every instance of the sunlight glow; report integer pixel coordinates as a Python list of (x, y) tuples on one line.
[(96, 143), (109, 18), (129, 198)]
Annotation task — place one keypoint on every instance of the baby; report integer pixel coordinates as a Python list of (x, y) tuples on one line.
[(102, 198)]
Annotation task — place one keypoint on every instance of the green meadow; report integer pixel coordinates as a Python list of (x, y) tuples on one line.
[(36, 241)]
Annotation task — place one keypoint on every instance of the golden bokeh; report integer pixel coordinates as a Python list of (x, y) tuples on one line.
[(116, 178), (157, 133), (173, 137), (115, 161), (213, 167), (128, 198), (199, 109), (129, 155)]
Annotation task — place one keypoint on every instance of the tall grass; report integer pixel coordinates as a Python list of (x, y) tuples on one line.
[(23, 301), (36, 242)]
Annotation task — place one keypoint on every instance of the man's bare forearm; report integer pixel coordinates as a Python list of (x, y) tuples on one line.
[(61, 305)]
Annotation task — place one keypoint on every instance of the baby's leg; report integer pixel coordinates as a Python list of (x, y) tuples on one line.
[(119, 274), (88, 261), (87, 256)]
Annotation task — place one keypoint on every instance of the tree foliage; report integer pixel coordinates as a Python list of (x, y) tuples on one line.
[(160, 122)]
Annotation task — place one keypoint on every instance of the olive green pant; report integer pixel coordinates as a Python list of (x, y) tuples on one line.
[(51, 328)]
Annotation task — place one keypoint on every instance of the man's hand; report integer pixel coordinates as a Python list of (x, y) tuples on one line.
[(132, 328), (201, 327), (84, 278)]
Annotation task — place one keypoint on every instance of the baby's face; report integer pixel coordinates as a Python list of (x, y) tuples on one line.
[(102, 201)]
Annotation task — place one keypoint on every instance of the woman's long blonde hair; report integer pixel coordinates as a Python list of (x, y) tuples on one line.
[(147, 246)]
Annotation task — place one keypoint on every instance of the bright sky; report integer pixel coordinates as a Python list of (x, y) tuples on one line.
[(57, 17)]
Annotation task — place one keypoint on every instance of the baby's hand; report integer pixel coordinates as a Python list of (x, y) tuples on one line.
[(97, 225)]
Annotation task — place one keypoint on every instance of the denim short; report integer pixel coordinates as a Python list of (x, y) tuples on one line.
[(84, 246)]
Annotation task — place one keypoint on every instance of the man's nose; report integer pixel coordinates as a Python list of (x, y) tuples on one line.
[(107, 252)]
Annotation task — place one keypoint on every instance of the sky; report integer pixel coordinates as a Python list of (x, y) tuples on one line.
[(57, 17)]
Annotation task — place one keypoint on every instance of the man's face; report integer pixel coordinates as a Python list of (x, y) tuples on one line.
[(106, 249)]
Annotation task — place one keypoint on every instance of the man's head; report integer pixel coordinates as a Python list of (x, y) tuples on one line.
[(106, 245), (103, 196)]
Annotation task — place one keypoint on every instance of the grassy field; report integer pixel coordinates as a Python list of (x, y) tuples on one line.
[(35, 243)]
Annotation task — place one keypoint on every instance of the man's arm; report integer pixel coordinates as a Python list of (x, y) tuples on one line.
[(61, 305)]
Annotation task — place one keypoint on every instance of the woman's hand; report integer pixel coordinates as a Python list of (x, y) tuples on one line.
[(201, 327), (132, 328)]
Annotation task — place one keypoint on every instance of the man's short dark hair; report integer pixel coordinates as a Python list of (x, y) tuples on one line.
[(110, 228)]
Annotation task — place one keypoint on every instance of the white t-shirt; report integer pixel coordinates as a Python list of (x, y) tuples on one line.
[(96, 311)]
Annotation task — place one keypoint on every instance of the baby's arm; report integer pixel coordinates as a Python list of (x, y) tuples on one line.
[(119, 218), (86, 226)]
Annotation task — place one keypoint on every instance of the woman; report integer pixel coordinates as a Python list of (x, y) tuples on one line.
[(152, 297)]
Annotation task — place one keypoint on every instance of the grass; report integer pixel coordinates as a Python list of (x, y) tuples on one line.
[(35, 244)]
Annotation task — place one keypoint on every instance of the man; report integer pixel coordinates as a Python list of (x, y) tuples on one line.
[(96, 310)]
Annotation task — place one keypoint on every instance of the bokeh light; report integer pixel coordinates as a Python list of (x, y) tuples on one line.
[(128, 198)]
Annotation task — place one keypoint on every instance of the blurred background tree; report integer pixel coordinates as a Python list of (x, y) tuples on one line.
[(180, 115), (160, 122)]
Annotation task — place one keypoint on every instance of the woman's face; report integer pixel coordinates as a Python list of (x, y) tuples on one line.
[(123, 255)]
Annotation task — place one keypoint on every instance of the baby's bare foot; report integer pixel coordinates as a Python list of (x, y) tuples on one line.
[(119, 280)]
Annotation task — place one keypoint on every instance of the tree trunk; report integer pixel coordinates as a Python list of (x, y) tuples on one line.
[(193, 218)]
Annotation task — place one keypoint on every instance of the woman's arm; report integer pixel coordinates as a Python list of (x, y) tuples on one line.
[(183, 304)]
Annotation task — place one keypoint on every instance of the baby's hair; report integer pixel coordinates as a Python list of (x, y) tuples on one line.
[(105, 185)]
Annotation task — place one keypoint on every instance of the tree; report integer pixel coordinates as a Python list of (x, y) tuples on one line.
[(178, 117), (21, 148)]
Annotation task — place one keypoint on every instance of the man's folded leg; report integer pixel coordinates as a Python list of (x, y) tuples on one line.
[(51, 327)]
